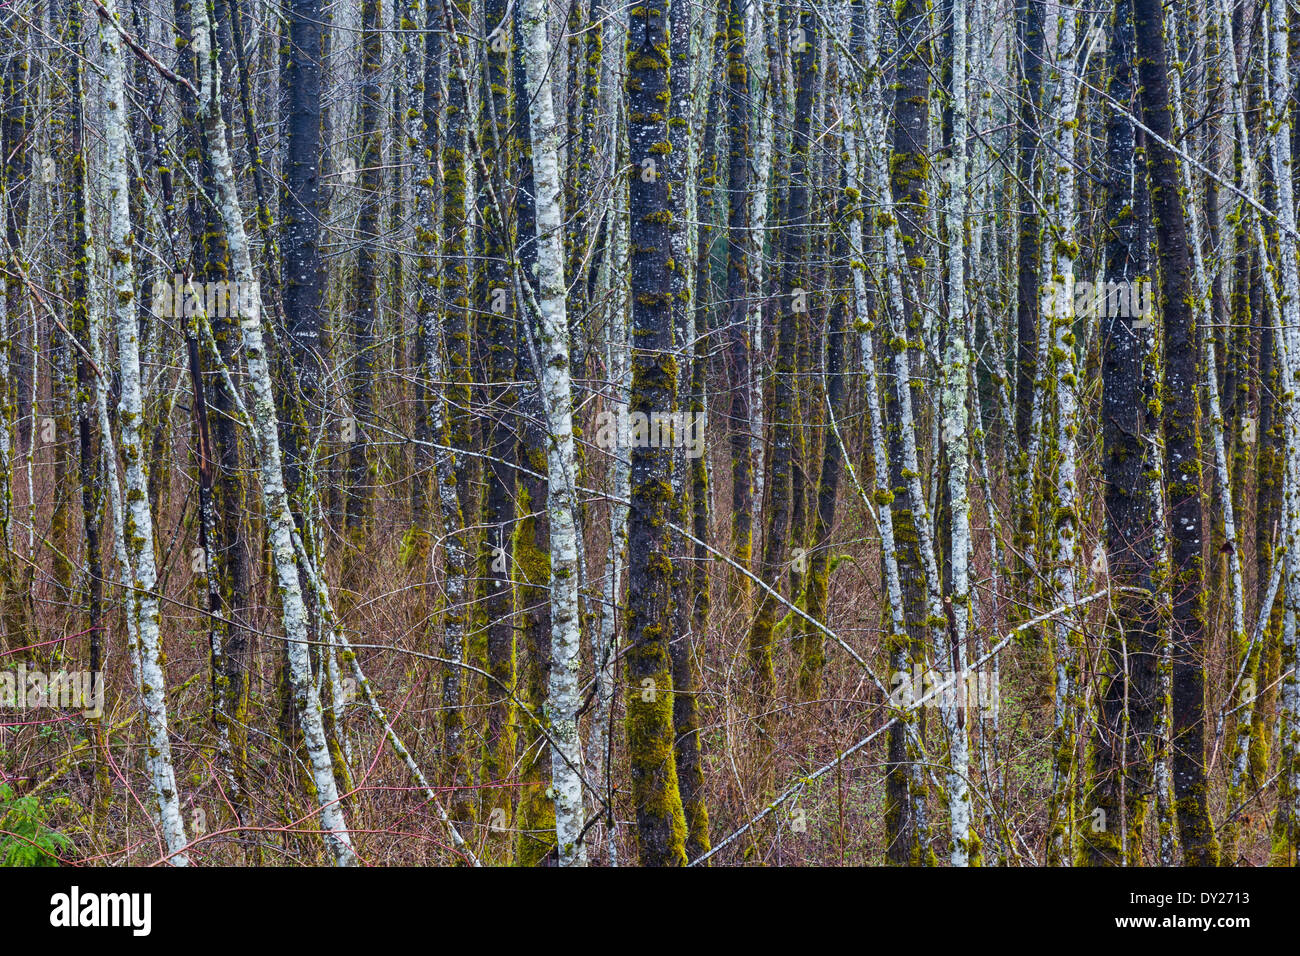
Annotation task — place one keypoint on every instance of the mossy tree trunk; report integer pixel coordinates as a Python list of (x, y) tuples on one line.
[(530, 559), (909, 167), (447, 353), (1181, 413), (738, 290), (661, 826), (140, 571), (1120, 777), (683, 648), (1030, 49), (1287, 319), (88, 444), (497, 305), (552, 368)]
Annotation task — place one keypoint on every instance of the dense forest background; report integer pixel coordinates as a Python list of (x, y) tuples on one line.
[(723, 432)]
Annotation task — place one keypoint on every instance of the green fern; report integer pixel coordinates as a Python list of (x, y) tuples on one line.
[(25, 837)]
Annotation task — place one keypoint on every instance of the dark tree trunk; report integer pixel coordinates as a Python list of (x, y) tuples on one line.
[(909, 167), (302, 271), (686, 718), (1121, 761), (1030, 33), (661, 828), (1181, 408), (501, 441), (366, 290)]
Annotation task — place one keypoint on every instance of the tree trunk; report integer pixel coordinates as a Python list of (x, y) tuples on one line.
[(1181, 410), (552, 364), (661, 826)]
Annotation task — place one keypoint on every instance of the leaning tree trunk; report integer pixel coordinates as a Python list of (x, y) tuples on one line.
[(1288, 335), (279, 517), (142, 598)]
